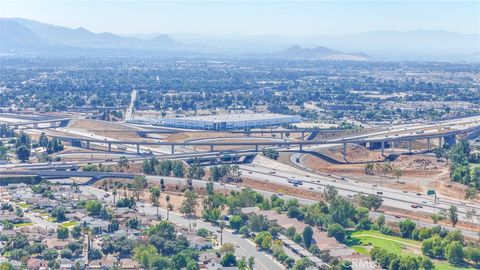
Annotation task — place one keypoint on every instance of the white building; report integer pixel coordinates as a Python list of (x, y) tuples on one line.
[(230, 121)]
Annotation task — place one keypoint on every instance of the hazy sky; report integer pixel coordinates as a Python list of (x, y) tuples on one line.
[(290, 18)]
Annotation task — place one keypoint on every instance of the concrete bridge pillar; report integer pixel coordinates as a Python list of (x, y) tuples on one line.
[(383, 147), (440, 142), (256, 147), (303, 135), (35, 125), (410, 146), (301, 147), (109, 147), (428, 144), (344, 151), (88, 144), (281, 135), (173, 149), (53, 124), (211, 148), (138, 148), (393, 146)]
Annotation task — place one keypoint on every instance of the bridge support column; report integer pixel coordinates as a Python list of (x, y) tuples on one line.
[(88, 145), (109, 147), (35, 125), (409, 146), (344, 151), (256, 148), (440, 142), (301, 147), (393, 146), (428, 144), (383, 147), (173, 149), (211, 148), (303, 135), (138, 148), (281, 135)]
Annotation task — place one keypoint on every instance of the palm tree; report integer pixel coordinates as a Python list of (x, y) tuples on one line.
[(114, 193), (398, 173), (222, 226), (155, 197), (169, 208)]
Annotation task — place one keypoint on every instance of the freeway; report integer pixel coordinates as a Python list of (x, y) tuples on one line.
[(243, 247), (350, 187)]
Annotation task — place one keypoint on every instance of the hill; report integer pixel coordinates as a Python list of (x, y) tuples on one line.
[(318, 53)]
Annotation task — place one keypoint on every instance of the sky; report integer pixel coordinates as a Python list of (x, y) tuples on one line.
[(252, 17)]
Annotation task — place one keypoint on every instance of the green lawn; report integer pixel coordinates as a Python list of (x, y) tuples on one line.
[(69, 224), (23, 205), (361, 241), (392, 244), (25, 224)]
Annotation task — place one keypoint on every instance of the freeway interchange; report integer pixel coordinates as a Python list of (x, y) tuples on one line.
[(419, 204)]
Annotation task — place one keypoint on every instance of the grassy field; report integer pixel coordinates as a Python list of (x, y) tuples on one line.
[(363, 241), (68, 224), (23, 205), (25, 224)]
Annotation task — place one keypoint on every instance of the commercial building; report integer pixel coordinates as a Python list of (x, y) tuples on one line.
[(230, 121)]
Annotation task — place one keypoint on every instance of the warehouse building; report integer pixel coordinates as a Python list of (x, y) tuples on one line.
[(230, 121)]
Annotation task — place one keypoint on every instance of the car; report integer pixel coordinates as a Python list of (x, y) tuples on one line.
[(250, 172), (356, 181), (106, 195), (343, 178), (419, 206), (295, 185), (311, 188), (424, 202), (414, 206), (319, 187), (405, 191), (272, 172), (375, 185), (397, 216), (349, 195), (334, 180), (419, 194), (379, 192)]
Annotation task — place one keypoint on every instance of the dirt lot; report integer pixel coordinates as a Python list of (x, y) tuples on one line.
[(418, 171), (103, 128)]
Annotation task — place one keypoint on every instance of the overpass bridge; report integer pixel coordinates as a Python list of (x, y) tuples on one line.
[(66, 174), (448, 137), (58, 122)]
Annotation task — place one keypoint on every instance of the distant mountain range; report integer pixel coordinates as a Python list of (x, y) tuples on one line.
[(319, 53), (28, 37)]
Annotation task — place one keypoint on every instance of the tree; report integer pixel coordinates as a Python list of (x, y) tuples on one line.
[(271, 153), (264, 240), (397, 173), (236, 222), (453, 215), (76, 232), (155, 197), (291, 232), (62, 232), (50, 254), (23, 153), (337, 231), (229, 260), (307, 236), (93, 207), (473, 254), (406, 227), (471, 194), (227, 247), (189, 204), (330, 193), (59, 214), (454, 252), (303, 264), (436, 218), (123, 163), (169, 206)]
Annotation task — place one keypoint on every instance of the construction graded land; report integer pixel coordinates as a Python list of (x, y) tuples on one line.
[(419, 172)]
